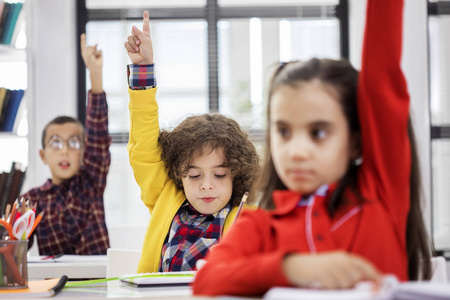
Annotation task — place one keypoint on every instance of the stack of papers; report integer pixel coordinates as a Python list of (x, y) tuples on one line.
[(419, 290)]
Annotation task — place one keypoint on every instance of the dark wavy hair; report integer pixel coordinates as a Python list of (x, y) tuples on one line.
[(342, 77), (180, 145), (60, 121)]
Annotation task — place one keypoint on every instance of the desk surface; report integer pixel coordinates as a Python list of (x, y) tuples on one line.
[(73, 266), (114, 289)]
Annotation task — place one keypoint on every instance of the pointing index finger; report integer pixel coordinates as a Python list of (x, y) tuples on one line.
[(83, 42), (146, 24)]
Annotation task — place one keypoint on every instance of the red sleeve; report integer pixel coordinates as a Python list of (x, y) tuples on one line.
[(242, 264), (97, 157), (383, 107)]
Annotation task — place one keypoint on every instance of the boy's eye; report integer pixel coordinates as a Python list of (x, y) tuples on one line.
[(193, 176), (220, 175), (55, 143), (74, 142)]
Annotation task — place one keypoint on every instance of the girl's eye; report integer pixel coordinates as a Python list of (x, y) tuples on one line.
[(220, 176), (283, 132), (319, 134), (193, 176)]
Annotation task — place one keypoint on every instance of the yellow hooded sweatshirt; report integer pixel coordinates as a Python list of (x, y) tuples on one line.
[(158, 192)]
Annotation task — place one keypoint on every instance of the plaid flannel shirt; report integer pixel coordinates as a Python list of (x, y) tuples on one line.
[(190, 237), (74, 216), (141, 77)]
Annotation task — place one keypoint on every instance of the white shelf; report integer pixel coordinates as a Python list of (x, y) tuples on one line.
[(11, 54)]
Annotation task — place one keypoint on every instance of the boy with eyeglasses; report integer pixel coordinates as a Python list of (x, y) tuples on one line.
[(79, 159)]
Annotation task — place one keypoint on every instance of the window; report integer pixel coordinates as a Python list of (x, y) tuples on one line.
[(439, 26), (250, 40)]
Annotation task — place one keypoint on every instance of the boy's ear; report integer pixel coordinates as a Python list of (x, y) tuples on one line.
[(42, 155)]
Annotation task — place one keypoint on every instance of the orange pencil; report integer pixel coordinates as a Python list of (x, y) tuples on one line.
[(12, 216), (36, 222)]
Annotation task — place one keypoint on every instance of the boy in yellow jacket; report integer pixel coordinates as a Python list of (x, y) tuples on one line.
[(191, 178)]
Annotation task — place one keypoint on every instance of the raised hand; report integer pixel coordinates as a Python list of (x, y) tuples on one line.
[(93, 60), (139, 44), (92, 57), (329, 270)]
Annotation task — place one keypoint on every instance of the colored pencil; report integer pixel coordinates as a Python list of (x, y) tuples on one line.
[(12, 216), (241, 205), (7, 211), (36, 222)]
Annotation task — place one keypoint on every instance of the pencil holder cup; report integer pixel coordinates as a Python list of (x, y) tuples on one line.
[(13, 264)]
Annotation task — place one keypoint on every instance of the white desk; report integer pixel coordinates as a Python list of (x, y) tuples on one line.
[(74, 266), (115, 289)]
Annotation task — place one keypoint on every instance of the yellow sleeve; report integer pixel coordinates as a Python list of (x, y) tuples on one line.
[(143, 148)]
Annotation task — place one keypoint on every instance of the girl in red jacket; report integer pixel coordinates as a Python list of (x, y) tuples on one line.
[(340, 185)]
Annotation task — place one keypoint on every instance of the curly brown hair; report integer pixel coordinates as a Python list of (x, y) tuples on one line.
[(180, 145)]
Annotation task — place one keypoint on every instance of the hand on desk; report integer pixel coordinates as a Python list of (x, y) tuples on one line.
[(329, 270)]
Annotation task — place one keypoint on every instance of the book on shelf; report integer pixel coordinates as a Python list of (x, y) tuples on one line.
[(5, 103), (11, 101), (8, 22), (2, 5), (19, 23), (11, 184), (4, 16), (2, 97)]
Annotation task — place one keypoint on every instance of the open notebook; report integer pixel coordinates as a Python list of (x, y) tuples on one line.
[(158, 279)]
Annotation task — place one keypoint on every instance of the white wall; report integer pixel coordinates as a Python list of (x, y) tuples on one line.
[(51, 56)]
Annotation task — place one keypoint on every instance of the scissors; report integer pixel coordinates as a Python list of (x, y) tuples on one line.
[(23, 225)]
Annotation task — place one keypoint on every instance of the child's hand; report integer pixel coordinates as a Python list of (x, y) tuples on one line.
[(93, 60), (92, 57), (330, 270), (200, 263), (139, 43)]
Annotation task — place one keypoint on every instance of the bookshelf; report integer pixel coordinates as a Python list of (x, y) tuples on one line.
[(13, 77)]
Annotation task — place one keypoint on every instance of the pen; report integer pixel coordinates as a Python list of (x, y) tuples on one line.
[(243, 201), (52, 256)]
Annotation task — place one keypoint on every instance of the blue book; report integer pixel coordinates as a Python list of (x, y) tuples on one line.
[(11, 110), (11, 23)]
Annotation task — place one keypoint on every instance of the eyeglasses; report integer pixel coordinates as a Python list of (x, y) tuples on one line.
[(57, 143)]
